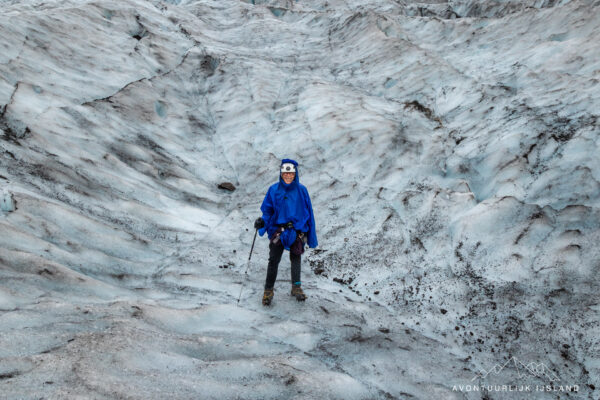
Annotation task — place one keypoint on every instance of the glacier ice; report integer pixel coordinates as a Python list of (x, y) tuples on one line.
[(451, 153)]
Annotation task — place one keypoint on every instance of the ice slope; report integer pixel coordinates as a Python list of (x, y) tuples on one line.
[(450, 149)]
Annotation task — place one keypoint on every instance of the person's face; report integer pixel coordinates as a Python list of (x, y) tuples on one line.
[(288, 177)]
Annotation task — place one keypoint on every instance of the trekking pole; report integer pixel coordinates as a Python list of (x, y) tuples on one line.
[(248, 265)]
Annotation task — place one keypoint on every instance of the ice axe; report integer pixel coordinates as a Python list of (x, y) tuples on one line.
[(248, 265)]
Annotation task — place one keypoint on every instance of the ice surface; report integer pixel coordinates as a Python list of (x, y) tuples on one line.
[(450, 149), (7, 202)]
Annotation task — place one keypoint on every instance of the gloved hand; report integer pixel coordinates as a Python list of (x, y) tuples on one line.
[(259, 223)]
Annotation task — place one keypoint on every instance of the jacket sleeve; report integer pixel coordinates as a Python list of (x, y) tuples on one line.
[(312, 229), (267, 213)]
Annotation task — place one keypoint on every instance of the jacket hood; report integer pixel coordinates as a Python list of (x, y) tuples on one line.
[(296, 180)]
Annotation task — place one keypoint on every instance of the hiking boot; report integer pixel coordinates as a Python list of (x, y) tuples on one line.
[(267, 297), (298, 293)]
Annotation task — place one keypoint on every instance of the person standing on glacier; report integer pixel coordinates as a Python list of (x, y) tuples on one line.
[(289, 221)]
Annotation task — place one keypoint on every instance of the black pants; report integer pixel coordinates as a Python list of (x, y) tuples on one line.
[(275, 252)]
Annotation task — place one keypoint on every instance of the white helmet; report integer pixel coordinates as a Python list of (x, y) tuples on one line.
[(288, 167)]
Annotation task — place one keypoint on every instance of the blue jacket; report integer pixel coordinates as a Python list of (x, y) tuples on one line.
[(285, 203)]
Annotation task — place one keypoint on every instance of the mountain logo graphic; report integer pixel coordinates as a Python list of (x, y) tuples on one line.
[(539, 370)]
